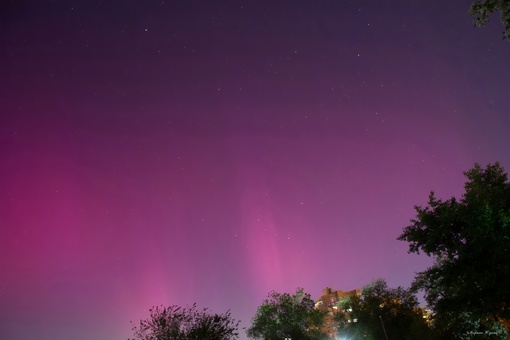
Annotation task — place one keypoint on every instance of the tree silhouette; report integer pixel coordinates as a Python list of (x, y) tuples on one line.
[(382, 312), (177, 323), (286, 316), (469, 238), (481, 10)]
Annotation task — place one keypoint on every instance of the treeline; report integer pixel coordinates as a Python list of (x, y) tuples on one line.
[(467, 288)]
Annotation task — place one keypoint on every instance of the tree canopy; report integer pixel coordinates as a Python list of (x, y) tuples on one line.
[(177, 323), (288, 316), (481, 11), (382, 312), (469, 240)]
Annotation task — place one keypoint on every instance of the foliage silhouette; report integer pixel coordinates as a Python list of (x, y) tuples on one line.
[(481, 10), (177, 323), (469, 240), (286, 316), (396, 308)]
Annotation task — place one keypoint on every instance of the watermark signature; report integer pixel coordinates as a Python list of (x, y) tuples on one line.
[(482, 333)]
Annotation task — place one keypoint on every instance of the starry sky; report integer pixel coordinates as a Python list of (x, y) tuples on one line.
[(172, 152)]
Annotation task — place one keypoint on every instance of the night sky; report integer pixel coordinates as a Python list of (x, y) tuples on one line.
[(172, 152)]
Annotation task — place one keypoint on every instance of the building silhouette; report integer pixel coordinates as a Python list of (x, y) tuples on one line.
[(328, 302)]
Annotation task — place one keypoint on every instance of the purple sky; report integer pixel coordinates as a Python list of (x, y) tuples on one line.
[(172, 152)]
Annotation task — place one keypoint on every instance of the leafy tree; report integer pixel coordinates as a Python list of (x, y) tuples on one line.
[(177, 323), (381, 310), (286, 316), (482, 9), (467, 287)]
